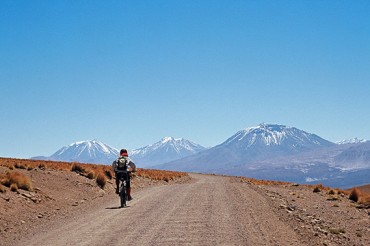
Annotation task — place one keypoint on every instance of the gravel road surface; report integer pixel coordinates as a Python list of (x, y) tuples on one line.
[(211, 210)]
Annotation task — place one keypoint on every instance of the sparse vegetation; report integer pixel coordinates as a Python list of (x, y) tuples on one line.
[(91, 175), (336, 231), (355, 195), (365, 199), (318, 188), (88, 169), (78, 168), (159, 175), (16, 178), (13, 187), (262, 182), (332, 192), (20, 165), (42, 166), (108, 173), (101, 180), (2, 188)]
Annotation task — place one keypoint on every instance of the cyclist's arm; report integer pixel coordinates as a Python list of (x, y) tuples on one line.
[(114, 166), (133, 166)]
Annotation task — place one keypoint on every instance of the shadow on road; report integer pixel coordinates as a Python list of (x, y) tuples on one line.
[(116, 207)]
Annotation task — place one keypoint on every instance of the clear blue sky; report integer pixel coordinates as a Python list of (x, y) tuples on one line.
[(131, 72)]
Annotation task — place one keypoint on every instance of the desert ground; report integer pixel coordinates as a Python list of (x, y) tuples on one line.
[(68, 208)]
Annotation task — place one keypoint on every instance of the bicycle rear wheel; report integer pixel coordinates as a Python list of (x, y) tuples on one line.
[(123, 196)]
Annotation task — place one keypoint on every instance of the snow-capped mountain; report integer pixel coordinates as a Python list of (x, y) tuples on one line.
[(166, 150), (251, 144), (352, 141), (284, 138), (278, 152), (92, 151)]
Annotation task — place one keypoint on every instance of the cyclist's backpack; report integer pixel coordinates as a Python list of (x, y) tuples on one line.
[(122, 164)]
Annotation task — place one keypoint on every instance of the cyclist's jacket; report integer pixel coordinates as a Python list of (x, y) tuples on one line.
[(122, 164)]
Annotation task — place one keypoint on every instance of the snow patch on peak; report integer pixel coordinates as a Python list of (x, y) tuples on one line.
[(352, 141), (167, 139)]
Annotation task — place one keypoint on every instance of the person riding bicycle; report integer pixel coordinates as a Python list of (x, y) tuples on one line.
[(120, 168)]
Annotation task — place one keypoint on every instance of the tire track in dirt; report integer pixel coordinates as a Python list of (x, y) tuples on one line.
[(210, 211)]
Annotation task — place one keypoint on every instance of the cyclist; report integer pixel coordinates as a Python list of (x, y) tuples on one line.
[(120, 168)]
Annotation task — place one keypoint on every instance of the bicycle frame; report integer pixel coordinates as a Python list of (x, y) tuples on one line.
[(122, 190)]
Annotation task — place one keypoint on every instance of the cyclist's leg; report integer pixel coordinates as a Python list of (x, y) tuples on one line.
[(117, 182), (128, 186)]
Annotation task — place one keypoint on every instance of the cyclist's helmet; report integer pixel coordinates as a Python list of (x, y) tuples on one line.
[(123, 152)]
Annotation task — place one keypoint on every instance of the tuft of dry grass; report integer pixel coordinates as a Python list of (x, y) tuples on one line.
[(87, 170), (319, 188), (337, 231), (262, 182), (159, 175), (91, 175), (365, 199), (13, 187), (2, 188), (78, 168), (21, 180), (101, 180), (20, 165), (332, 192), (355, 195)]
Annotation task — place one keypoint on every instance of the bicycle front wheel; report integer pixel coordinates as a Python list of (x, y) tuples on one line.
[(122, 195)]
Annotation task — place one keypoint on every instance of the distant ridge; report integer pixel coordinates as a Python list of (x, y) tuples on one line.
[(352, 141), (251, 144), (165, 150), (279, 152), (91, 151)]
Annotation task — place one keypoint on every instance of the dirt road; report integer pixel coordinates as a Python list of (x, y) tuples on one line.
[(212, 210)]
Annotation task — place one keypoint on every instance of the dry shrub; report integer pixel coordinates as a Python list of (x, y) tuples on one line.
[(262, 182), (108, 173), (84, 169), (337, 231), (2, 188), (332, 192), (42, 166), (20, 165), (365, 199), (13, 187), (107, 170), (21, 180), (319, 188), (159, 175), (355, 195), (316, 189), (91, 175), (77, 168), (101, 180)]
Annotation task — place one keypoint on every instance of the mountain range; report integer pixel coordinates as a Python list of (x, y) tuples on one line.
[(166, 150), (265, 141), (279, 152), (266, 151), (96, 152), (91, 151)]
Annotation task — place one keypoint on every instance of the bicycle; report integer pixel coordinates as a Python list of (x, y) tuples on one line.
[(122, 189)]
